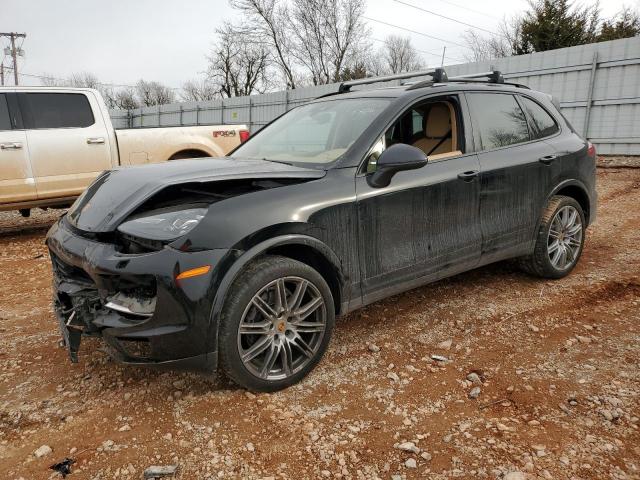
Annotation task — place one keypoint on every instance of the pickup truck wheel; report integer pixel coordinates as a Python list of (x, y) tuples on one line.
[(559, 241), (275, 325)]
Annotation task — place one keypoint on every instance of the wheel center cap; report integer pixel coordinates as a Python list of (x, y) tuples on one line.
[(281, 326)]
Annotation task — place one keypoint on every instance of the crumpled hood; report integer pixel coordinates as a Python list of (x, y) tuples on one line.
[(116, 193)]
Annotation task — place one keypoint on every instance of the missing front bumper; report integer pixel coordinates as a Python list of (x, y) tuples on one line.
[(157, 320)]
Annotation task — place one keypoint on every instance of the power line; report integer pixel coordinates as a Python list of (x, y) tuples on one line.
[(413, 31), (470, 9), (446, 18), (435, 54), (42, 76)]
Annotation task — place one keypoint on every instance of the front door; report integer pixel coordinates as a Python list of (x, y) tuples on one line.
[(68, 146), (16, 179), (425, 224)]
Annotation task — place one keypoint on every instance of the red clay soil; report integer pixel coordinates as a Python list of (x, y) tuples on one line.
[(556, 361)]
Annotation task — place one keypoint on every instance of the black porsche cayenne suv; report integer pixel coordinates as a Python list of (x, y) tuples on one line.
[(242, 263)]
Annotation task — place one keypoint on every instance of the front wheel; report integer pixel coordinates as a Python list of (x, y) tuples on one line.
[(559, 241), (276, 324)]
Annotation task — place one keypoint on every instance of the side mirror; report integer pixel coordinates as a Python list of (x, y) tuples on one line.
[(395, 159)]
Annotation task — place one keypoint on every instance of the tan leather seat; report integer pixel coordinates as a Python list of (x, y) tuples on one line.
[(438, 128)]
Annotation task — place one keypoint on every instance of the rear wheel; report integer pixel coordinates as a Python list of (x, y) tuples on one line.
[(560, 239), (275, 325)]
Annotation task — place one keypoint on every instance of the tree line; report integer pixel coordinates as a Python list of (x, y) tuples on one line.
[(281, 44), (551, 24)]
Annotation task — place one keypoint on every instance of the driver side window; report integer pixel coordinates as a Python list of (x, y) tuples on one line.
[(431, 126)]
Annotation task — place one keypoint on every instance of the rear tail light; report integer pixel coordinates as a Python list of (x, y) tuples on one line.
[(591, 149), (244, 135)]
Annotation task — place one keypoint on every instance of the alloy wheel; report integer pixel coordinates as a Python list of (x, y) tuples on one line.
[(565, 237), (282, 328)]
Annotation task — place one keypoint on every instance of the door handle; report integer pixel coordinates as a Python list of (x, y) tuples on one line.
[(11, 146), (95, 140), (468, 176), (547, 159)]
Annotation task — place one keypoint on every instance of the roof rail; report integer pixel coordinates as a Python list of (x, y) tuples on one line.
[(494, 76), (438, 75)]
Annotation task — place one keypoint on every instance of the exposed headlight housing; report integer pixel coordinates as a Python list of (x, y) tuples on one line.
[(163, 225)]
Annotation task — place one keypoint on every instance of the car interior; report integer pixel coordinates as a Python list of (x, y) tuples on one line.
[(432, 127)]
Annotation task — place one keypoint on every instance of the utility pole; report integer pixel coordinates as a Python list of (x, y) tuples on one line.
[(444, 49), (14, 52)]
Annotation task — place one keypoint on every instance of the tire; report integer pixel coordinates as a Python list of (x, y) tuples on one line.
[(286, 345), (546, 261)]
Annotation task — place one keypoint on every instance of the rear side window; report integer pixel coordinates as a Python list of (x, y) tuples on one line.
[(57, 110), (542, 124), (5, 118), (498, 120)]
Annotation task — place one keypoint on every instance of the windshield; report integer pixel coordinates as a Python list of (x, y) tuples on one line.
[(314, 133)]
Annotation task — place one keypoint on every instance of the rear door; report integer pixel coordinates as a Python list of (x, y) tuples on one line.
[(514, 174), (16, 177), (68, 145)]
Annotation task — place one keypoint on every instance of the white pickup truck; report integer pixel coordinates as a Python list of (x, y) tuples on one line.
[(55, 141)]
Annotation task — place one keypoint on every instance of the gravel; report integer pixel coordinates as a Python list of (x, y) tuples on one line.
[(540, 387)]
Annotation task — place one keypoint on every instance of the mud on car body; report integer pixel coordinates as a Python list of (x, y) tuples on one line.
[(242, 263)]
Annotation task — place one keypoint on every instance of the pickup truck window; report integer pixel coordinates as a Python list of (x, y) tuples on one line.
[(5, 119), (56, 110), (499, 119), (315, 133)]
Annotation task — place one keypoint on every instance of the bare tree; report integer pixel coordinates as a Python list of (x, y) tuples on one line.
[(267, 22), (398, 55), (487, 47), (238, 65), (154, 93), (125, 99), (198, 90), (84, 80), (327, 35), (315, 40), (49, 81)]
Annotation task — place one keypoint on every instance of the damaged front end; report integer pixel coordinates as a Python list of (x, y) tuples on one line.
[(134, 302), (124, 255), (84, 307)]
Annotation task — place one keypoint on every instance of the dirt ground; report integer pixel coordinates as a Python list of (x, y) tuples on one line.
[(557, 364)]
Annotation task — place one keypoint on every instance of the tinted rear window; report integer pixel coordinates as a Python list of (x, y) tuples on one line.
[(57, 110), (498, 119), (5, 119), (542, 124)]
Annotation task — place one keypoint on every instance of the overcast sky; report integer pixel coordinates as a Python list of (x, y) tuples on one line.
[(122, 41)]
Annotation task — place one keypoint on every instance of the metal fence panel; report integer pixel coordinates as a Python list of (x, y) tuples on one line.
[(598, 86)]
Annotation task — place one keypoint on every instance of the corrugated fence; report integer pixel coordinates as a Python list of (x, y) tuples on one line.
[(598, 86)]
